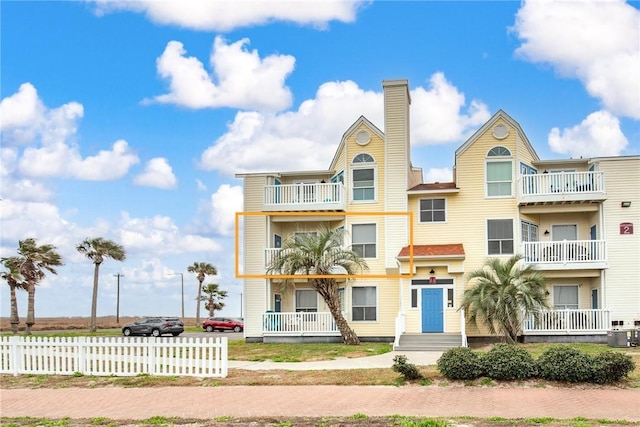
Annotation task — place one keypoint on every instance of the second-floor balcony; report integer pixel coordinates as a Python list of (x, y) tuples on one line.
[(305, 197), (566, 254), (561, 187)]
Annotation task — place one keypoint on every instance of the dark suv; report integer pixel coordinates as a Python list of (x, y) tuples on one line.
[(154, 326)]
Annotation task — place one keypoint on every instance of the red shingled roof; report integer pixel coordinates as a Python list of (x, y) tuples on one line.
[(434, 186), (455, 249)]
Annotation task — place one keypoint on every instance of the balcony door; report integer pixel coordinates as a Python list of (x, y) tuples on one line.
[(564, 232), (306, 191)]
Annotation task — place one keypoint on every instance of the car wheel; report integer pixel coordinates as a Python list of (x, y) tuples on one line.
[(209, 328), (237, 329), (155, 332), (126, 332)]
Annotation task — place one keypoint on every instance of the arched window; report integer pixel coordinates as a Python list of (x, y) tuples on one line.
[(499, 173), (498, 151), (363, 178), (363, 158)]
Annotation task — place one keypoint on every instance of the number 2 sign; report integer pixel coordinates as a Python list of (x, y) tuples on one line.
[(626, 228)]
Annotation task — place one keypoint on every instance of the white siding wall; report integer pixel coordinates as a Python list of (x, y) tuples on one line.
[(622, 278)]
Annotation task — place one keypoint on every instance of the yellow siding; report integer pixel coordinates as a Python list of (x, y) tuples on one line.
[(375, 148)]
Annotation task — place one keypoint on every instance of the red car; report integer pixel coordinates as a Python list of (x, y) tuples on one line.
[(222, 324)]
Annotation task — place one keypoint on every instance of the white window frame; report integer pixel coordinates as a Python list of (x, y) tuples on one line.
[(362, 166), (420, 210), (364, 307), (513, 238), (529, 231), (486, 179), (374, 243)]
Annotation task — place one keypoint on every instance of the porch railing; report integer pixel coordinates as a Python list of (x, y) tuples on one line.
[(272, 254), (556, 322), (299, 324), (566, 251), (312, 196), (561, 183)]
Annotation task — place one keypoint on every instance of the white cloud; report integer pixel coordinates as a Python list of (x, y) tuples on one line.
[(59, 159), (441, 119), (25, 190), (598, 135), (596, 41), (267, 142), (21, 108), (439, 175), (240, 78), (157, 173), (159, 235), (217, 15), (224, 204), (49, 138)]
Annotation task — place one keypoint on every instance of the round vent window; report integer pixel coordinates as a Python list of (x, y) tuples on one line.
[(363, 137), (500, 132)]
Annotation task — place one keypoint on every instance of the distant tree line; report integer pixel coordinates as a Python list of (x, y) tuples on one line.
[(25, 270)]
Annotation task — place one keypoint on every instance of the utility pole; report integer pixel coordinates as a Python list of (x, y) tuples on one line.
[(181, 288), (118, 275)]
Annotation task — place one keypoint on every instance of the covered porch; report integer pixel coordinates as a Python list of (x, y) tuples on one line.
[(299, 326), (559, 324)]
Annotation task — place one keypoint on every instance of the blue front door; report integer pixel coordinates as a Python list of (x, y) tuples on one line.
[(432, 310)]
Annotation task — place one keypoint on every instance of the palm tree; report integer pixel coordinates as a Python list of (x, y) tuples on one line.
[(15, 281), (32, 262), (201, 269), (320, 254), (505, 293), (213, 298), (97, 249)]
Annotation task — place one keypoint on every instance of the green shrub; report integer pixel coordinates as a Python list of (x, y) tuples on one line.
[(610, 367), (408, 370), (564, 363), (508, 362), (460, 363)]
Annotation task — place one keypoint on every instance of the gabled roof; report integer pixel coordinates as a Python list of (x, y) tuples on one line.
[(361, 120), (500, 114), (455, 250)]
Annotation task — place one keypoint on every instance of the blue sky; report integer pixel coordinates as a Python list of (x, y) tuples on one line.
[(128, 120)]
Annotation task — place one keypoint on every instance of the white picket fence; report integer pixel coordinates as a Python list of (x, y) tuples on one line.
[(119, 356)]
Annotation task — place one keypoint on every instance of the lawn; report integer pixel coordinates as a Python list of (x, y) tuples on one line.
[(239, 350)]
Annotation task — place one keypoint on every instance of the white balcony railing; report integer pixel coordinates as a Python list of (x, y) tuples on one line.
[(561, 186), (299, 324), (301, 197), (574, 252), (271, 254), (557, 322)]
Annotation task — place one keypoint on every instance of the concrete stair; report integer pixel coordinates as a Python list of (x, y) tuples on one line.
[(428, 342)]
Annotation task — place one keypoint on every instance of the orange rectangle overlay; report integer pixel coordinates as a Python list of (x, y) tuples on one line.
[(409, 215)]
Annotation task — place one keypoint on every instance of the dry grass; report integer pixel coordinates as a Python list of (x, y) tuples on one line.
[(75, 323)]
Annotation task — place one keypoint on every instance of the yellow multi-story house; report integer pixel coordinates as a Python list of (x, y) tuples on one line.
[(571, 219)]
